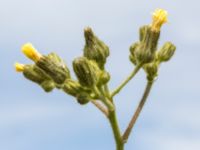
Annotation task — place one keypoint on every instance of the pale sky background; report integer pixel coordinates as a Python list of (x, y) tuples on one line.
[(31, 119)]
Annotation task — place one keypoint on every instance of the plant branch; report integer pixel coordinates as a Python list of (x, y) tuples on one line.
[(137, 112), (107, 102), (117, 90), (112, 118)]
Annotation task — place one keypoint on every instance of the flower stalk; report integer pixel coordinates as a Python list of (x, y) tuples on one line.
[(120, 87), (138, 111)]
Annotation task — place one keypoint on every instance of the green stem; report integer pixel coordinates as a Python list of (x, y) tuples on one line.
[(108, 103), (117, 90), (113, 121), (137, 112), (116, 131)]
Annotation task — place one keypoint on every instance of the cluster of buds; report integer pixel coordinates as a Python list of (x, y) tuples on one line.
[(50, 71), (145, 53)]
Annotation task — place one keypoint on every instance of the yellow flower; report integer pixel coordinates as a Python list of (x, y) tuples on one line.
[(31, 52), (159, 18), (19, 67)]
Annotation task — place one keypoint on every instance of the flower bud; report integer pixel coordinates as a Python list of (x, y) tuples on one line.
[(151, 70), (145, 51), (86, 71), (166, 52), (32, 75), (95, 49), (54, 66), (31, 52), (104, 78), (83, 98), (38, 76), (48, 85)]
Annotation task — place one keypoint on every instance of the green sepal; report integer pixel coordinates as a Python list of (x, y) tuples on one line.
[(132, 49)]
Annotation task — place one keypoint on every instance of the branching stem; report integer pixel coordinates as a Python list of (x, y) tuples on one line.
[(137, 112), (107, 102), (118, 89)]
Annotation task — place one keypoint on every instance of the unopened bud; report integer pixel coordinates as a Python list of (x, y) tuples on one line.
[(95, 49), (53, 65), (83, 98), (166, 52), (104, 77), (48, 85), (86, 71), (32, 75), (35, 74)]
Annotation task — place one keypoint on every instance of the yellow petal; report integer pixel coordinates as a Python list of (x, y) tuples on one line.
[(159, 17), (19, 67), (31, 52)]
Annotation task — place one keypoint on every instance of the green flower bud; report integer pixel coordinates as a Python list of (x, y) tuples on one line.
[(86, 71), (104, 78), (53, 65), (48, 85), (83, 98), (151, 70), (166, 52), (35, 74), (145, 52), (95, 49)]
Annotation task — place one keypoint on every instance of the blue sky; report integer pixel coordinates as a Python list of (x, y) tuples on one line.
[(34, 120)]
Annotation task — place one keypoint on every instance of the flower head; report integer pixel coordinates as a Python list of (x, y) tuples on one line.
[(159, 17), (31, 52), (19, 67)]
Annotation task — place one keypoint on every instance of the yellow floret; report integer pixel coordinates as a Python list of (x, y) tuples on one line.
[(19, 67), (31, 52), (159, 18)]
